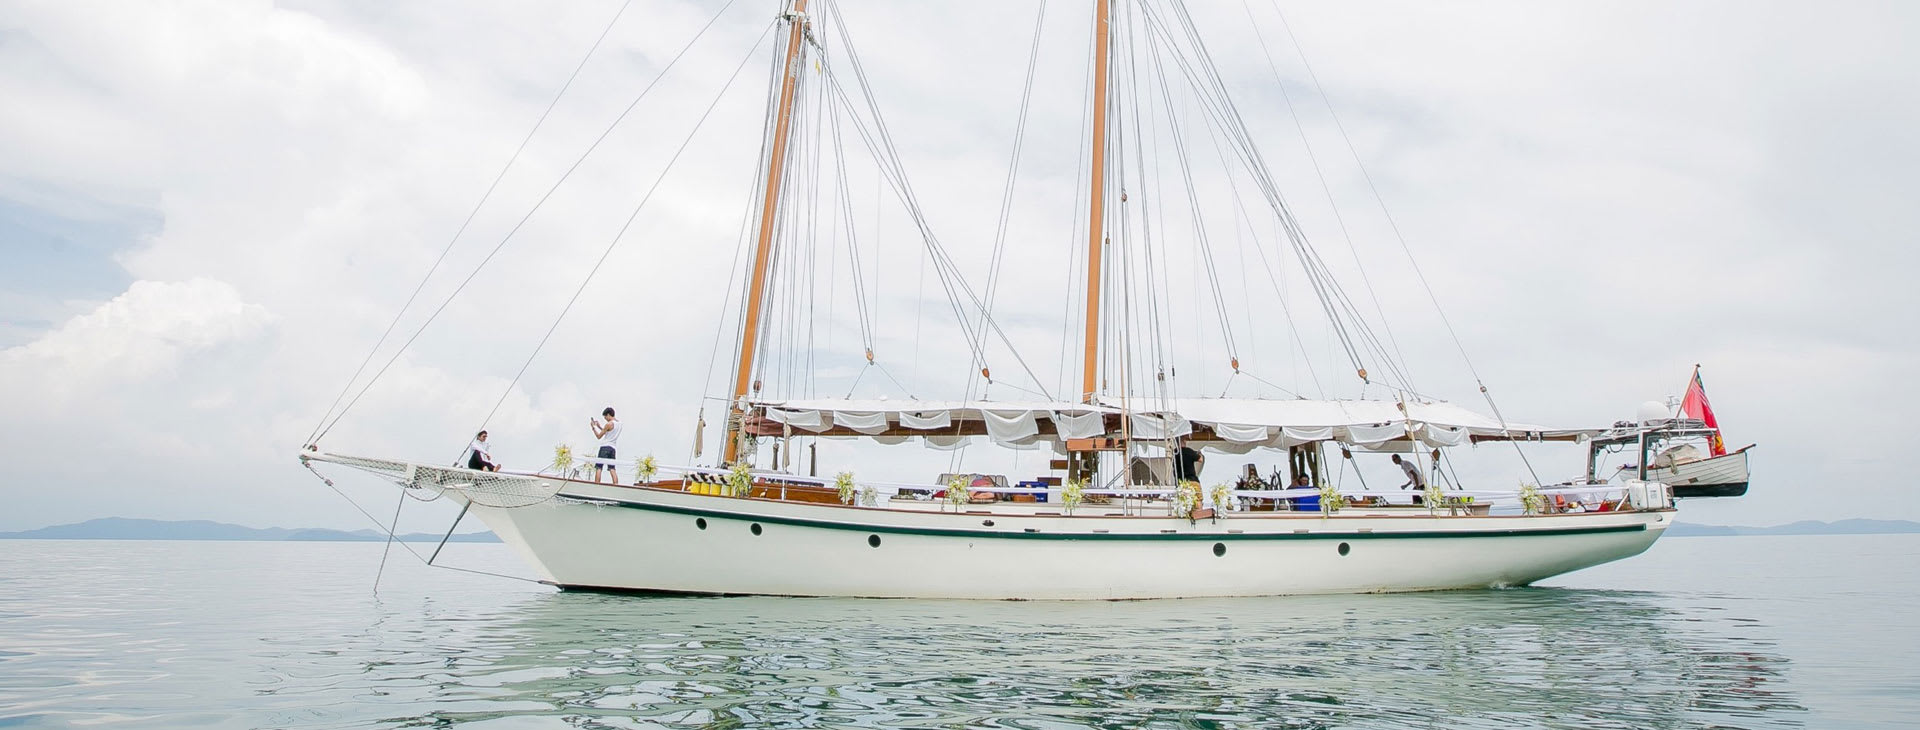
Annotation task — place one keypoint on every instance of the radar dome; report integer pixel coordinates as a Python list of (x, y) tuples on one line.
[(1652, 410)]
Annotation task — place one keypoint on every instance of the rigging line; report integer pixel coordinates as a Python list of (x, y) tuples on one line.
[(778, 255), (1161, 310), (1160, 298), (1141, 132), (604, 253), (1122, 295), (523, 220), (1375, 190), (1270, 384), (1074, 294), (952, 282), (1006, 194), (1326, 288), (868, 324), (484, 197), (403, 544), (734, 268), (904, 188), (851, 231), (895, 179), (1358, 323), (1286, 308), (1193, 200), (1279, 292), (384, 551), (1314, 161), (757, 190), (1218, 105)]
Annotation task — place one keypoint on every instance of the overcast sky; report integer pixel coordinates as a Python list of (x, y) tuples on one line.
[(210, 211)]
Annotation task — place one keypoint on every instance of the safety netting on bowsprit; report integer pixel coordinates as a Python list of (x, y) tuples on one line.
[(483, 488)]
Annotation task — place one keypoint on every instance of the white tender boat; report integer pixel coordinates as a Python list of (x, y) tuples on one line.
[(1670, 449), (1118, 515)]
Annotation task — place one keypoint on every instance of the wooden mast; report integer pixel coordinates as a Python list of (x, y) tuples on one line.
[(776, 161), (1095, 231)]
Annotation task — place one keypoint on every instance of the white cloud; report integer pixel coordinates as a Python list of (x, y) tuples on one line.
[(1602, 197), (154, 326)]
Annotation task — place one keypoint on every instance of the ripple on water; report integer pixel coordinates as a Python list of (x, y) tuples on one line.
[(310, 648)]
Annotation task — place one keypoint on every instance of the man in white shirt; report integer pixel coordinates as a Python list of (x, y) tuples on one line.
[(1414, 479), (609, 435), (480, 455)]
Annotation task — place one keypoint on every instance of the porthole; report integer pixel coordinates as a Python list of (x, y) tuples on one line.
[(1219, 549), (873, 541), (1345, 548), (700, 522), (755, 528)]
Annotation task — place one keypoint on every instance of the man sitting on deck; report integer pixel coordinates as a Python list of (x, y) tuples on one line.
[(1302, 484), (480, 455)]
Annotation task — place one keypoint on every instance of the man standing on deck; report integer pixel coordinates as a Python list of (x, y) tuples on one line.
[(609, 435), (1187, 462), (1414, 479)]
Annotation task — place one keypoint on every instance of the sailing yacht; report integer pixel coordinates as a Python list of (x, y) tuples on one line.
[(1119, 514)]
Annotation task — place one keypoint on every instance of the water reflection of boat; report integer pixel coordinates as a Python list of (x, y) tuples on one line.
[(1609, 658)]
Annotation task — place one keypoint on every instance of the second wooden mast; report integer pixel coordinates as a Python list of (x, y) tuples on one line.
[(1096, 233), (769, 210)]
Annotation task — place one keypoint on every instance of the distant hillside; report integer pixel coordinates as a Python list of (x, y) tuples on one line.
[(121, 528), (1804, 527)]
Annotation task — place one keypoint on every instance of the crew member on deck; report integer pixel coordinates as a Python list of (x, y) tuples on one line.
[(1187, 463), (1414, 480), (609, 435), (480, 455), (1303, 484)]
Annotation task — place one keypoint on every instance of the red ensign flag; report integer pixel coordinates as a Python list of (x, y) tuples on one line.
[(1695, 406)]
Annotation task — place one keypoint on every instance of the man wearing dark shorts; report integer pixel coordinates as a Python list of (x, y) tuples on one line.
[(608, 431), (1187, 462), (480, 454)]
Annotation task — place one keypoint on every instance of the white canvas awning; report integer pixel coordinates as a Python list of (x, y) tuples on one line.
[(1014, 424), (1234, 424), (1358, 422)]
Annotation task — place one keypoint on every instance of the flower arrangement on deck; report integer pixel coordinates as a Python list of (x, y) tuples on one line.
[(1221, 497), (1330, 500), (869, 497), (645, 467), (1531, 499), (1186, 499), (957, 491), (843, 483), (562, 460), (739, 480), (1433, 497), (1072, 493)]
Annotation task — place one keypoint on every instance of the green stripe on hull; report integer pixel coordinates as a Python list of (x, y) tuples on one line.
[(1037, 535)]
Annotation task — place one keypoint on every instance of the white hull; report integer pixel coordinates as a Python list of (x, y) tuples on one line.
[(644, 539)]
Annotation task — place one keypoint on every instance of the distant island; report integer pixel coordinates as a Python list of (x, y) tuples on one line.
[(121, 528)]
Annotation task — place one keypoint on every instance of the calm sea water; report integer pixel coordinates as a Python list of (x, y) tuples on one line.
[(1748, 632)]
